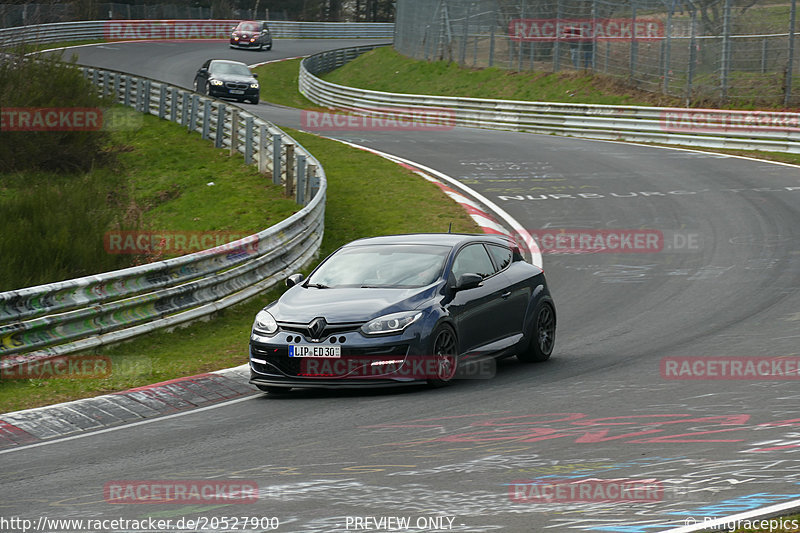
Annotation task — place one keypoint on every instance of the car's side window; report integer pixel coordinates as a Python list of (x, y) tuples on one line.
[(501, 255), (205, 65), (473, 259)]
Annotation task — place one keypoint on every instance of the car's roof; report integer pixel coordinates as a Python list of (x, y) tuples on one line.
[(443, 239)]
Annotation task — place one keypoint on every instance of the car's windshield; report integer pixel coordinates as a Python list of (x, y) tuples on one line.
[(247, 26), (229, 68), (385, 265)]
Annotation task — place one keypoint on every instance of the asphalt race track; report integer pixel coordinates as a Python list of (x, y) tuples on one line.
[(723, 282)]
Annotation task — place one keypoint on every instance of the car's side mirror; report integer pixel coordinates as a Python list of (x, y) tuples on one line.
[(468, 281), (293, 280), (255, 75), (203, 70)]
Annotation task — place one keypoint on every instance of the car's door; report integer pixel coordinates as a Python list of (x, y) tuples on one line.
[(202, 75), (480, 312), (518, 293)]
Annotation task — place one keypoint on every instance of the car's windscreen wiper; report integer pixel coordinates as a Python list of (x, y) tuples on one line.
[(317, 285)]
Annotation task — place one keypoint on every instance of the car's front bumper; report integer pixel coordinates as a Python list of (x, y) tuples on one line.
[(363, 362), (223, 91), (245, 43)]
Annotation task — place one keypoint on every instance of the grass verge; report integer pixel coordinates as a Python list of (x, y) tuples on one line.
[(54, 223), (367, 196), (281, 87)]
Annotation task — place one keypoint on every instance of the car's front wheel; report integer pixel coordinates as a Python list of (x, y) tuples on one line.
[(208, 88), (543, 335), (444, 350)]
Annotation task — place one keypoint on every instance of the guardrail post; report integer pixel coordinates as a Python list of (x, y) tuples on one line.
[(313, 180), (184, 109), (173, 104), (140, 95), (127, 98), (289, 169), (193, 112), (219, 135), (162, 101), (206, 119), (276, 159), (116, 87), (301, 179), (106, 83), (148, 85), (262, 149), (234, 131), (95, 78), (248, 140)]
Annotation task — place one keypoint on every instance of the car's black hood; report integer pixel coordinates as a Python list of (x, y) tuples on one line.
[(301, 305)]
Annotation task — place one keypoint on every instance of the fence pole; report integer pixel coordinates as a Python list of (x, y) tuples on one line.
[(276, 159), (234, 131), (788, 93), (634, 46), (248, 140), (219, 135), (692, 57), (726, 49), (462, 55), (764, 55), (301, 179), (520, 45), (667, 44), (262, 149), (289, 169), (557, 45), (491, 37)]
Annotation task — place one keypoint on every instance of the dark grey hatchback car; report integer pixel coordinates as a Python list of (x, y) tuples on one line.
[(403, 309)]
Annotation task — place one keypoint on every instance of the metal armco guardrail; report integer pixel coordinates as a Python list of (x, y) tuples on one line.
[(58, 318), (115, 30), (743, 130)]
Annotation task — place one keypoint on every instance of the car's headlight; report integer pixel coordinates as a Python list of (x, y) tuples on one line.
[(265, 323), (393, 323), (254, 85), (215, 82)]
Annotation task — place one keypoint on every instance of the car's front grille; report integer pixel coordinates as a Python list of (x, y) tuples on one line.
[(330, 329), (278, 357), (236, 85)]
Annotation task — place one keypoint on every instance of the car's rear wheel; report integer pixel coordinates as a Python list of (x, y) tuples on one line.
[(444, 349), (269, 46), (273, 390), (543, 336)]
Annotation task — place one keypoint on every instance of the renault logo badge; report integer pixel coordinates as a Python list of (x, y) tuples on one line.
[(316, 327)]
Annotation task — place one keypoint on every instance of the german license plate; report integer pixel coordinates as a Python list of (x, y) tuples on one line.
[(236, 91), (305, 350)]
